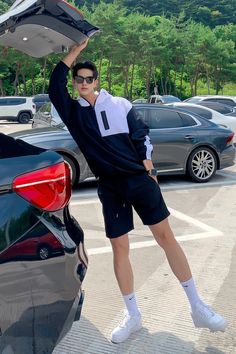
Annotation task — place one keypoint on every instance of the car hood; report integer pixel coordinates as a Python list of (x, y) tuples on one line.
[(41, 27)]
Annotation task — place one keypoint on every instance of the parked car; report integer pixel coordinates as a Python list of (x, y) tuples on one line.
[(219, 107), (228, 100), (41, 271), (40, 99), (163, 99), (47, 116), (59, 139), (20, 109), (39, 245), (184, 143), (208, 113), (41, 27), (140, 100)]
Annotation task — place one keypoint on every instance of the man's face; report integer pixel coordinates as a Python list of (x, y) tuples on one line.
[(84, 82)]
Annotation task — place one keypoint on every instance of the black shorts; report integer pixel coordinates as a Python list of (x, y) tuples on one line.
[(119, 195)]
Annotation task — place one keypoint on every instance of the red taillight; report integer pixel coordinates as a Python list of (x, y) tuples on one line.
[(48, 188), (229, 139)]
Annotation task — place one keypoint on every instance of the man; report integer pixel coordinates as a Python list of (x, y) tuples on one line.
[(117, 148)]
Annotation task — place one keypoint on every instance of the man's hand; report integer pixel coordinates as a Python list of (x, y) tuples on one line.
[(76, 49), (74, 53)]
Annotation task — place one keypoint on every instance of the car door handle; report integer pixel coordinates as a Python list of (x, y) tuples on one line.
[(189, 137)]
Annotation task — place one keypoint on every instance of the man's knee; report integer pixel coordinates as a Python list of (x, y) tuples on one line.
[(120, 245), (162, 233)]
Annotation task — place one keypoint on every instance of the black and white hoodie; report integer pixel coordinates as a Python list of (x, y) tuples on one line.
[(112, 138)]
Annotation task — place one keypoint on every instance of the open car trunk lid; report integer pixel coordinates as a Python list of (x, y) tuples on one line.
[(41, 27)]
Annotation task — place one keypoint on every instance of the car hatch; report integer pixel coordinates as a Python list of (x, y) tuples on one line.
[(41, 27)]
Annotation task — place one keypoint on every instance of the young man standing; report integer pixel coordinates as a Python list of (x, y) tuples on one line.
[(117, 147)]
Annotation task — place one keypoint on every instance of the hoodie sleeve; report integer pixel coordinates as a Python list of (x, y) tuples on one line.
[(58, 92), (139, 135)]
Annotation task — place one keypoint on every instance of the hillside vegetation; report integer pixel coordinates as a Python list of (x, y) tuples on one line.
[(144, 44)]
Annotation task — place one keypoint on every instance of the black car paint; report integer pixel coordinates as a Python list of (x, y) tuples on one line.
[(39, 299)]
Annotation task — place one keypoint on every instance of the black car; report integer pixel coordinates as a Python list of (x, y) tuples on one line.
[(40, 269), (183, 142)]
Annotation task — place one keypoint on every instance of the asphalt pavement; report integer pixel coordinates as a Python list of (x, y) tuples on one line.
[(203, 219)]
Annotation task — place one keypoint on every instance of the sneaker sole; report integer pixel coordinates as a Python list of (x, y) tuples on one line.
[(221, 327), (136, 329)]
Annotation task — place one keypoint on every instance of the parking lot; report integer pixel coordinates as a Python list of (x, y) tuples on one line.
[(203, 219)]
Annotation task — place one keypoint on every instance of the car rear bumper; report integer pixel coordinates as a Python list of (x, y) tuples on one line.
[(228, 157), (74, 314)]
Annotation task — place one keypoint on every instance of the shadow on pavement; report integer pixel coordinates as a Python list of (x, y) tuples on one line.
[(85, 338)]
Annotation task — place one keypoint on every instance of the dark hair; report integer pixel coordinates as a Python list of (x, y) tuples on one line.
[(85, 65)]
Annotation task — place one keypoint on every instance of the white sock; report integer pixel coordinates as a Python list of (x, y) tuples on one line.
[(131, 304), (191, 292)]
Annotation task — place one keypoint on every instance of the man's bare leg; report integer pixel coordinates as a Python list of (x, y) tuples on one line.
[(132, 321), (121, 263), (174, 253)]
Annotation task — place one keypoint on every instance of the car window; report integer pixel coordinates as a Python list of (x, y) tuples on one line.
[(201, 111), (170, 99), (152, 100), (222, 100), (45, 108), (188, 121), (15, 101), (142, 113), (219, 107), (192, 99), (3, 102), (159, 118), (43, 98), (54, 113)]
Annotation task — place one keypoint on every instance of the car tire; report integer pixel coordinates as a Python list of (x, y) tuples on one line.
[(44, 252), (202, 164), (24, 117), (73, 169)]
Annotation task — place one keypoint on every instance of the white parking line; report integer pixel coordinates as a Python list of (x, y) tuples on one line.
[(208, 231)]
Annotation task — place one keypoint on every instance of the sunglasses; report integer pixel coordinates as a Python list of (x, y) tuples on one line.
[(80, 79)]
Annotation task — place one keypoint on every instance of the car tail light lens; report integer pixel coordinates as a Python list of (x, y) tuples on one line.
[(48, 188), (229, 139)]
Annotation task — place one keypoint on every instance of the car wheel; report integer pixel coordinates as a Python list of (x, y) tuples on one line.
[(201, 165), (73, 170), (24, 118), (44, 252)]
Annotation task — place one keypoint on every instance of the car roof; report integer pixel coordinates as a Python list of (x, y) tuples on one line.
[(213, 96), (4, 97), (189, 104), (40, 27), (170, 107)]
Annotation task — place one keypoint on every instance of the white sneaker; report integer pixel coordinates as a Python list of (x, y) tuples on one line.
[(130, 324), (204, 317)]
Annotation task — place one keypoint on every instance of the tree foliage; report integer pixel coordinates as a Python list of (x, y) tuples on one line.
[(208, 12), (137, 51)]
